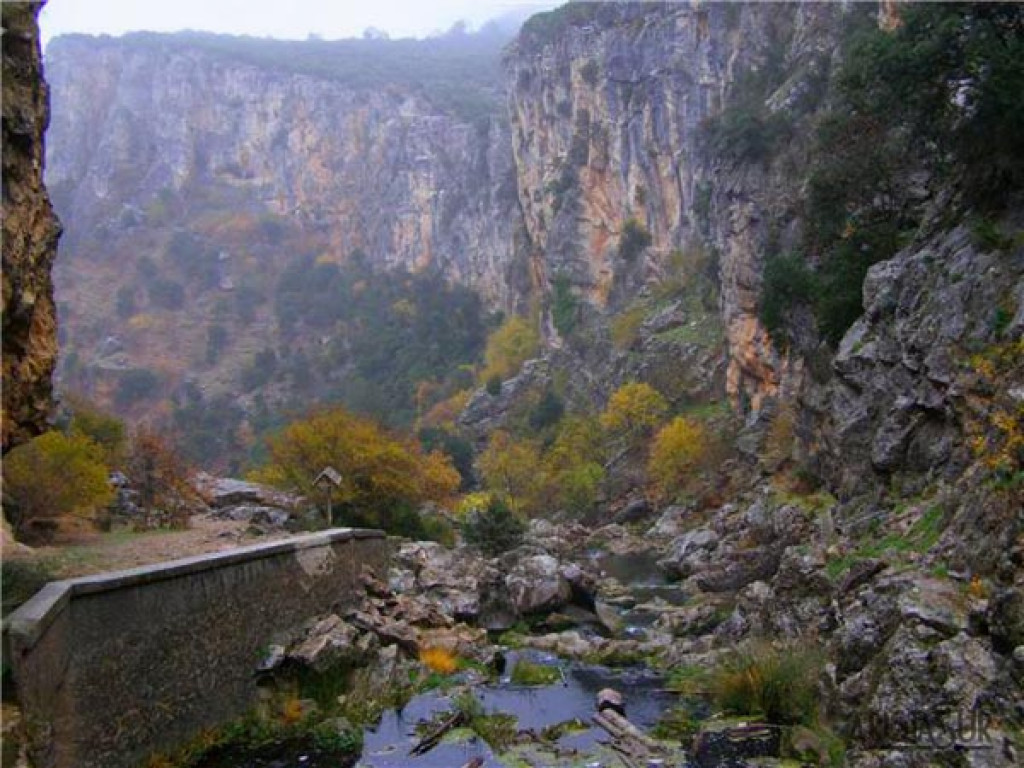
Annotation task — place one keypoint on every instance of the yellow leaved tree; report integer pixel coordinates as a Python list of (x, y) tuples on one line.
[(384, 477), (676, 454), (633, 411), (54, 477)]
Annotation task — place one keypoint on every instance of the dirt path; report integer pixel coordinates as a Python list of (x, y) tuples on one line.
[(84, 553)]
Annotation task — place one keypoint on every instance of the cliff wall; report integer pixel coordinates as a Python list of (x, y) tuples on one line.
[(30, 232)]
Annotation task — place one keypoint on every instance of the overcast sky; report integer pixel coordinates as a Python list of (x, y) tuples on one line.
[(293, 19)]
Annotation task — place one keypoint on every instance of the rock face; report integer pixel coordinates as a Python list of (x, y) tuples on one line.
[(904, 385), (146, 119), (607, 102), (30, 232)]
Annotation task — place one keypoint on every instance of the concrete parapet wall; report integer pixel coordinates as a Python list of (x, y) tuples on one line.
[(112, 667)]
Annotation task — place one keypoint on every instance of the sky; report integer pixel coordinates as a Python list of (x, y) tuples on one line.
[(291, 19)]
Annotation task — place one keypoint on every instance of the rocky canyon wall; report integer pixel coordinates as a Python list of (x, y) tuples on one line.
[(30, 232)]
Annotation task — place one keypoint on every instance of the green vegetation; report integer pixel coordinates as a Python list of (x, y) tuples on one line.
[(498, 729), (779, 684), (634, 239), (21, 579), (495, 528), (52, 477), (135, 384), (565, 306), (922, 536), (528, 673), (395, 335), (788, 283), (384, 477), (511, 345)]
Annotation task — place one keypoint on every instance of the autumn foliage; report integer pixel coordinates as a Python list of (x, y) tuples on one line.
[(676, 454), (515, 342), (633, 411), (52, 477), (384, 477)]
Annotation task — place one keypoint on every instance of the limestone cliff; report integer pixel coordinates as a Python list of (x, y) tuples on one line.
[(607, 106), (30, 232), (145, 120)]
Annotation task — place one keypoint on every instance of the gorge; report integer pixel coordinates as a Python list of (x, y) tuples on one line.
[(730, 292)]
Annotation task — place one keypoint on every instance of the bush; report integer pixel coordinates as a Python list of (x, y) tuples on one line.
[(634, 409), (163, 480), (787, 283), (493, 385), (52, 477), (494, 529), (515, 342), (677, 451), (547, 412), (382, 474), (167, 294), (779, 684), (564, 306), (634, 239)]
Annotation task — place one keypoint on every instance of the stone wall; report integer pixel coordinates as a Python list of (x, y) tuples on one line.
[(112, 667)]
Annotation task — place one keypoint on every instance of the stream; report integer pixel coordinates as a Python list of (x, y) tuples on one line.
[(387, 744)]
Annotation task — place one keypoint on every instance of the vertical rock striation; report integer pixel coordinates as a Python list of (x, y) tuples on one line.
[(30, 232), (608, 105)]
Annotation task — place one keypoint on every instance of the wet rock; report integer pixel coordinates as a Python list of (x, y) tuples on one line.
[(536, 584), (689, 553), (728, 743)]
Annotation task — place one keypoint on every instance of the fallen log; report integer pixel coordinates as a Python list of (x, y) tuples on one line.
[(621, 728), (432, 739)]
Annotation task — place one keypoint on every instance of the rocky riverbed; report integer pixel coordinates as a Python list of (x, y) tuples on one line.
[(898, 648)]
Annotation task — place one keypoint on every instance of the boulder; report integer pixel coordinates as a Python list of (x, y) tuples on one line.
[(689, 553), (536, 584)]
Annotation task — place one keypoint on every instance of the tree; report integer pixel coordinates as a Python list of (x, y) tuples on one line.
[(163, 480), (513, 468), (573, 468), (633, 411), (52, 477), (103, 429), (676, 452), (495, 529), (515, 342), (382, 475)]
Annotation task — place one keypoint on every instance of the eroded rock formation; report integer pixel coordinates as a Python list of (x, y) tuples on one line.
[(30, 232)]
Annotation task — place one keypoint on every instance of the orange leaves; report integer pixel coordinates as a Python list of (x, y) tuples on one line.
[(439, 660)]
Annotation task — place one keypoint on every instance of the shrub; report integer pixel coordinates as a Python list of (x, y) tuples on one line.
[(167, 294), (163, 480), (676, 452), (493, 385), (634, 239), (511, 345), (52, 477), (779, 684), (547, 412), (787, 283), (495, 528), (564, 306), (634, 409), (513, 468), (382, 474)]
